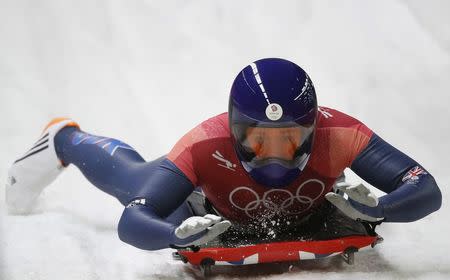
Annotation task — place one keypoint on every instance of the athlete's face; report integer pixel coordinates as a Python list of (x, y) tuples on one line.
[(268, 142)]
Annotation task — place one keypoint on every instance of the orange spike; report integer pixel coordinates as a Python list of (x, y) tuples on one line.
[(57, 120)]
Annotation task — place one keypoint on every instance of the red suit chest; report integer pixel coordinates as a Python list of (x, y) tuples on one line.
[(207, 157)]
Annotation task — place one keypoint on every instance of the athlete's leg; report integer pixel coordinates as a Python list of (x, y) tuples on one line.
[(109, 164), (112, 166)]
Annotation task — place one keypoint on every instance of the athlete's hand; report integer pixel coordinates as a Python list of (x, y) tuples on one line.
[(199, 230), (356, 193)]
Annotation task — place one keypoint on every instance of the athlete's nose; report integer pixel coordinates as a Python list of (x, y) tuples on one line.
[(277, 148)]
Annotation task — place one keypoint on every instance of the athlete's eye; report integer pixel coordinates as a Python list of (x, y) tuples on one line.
[(259, 139), (256, 138), (286, 137)]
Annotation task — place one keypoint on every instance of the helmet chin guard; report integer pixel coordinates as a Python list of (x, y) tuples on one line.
[(272, 117), (274, 174)]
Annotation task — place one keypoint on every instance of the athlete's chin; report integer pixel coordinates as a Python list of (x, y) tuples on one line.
[(286, 163)]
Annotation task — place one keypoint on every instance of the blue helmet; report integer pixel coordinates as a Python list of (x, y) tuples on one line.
[(272, 116)]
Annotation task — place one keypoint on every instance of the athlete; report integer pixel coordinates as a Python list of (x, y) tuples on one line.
[(268, 168)]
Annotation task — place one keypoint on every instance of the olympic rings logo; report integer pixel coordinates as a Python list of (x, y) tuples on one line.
[(275, 201)]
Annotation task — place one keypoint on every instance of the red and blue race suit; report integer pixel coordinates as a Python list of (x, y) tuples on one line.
[(154, 192)]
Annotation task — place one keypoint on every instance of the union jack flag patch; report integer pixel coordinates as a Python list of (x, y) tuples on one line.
[(413, 174)]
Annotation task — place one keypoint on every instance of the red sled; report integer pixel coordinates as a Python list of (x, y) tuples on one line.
[(290, 251)]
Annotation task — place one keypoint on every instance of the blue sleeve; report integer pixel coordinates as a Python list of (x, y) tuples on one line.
[(141, 227), (412, 193), (144, 222)]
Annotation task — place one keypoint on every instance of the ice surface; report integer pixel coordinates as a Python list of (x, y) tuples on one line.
[(147, 71)]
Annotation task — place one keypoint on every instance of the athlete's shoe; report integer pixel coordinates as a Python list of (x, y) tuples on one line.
[(35, 170)]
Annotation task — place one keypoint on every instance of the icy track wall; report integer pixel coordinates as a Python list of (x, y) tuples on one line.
[(147, 71)]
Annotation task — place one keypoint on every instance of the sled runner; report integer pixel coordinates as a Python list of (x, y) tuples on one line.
[(291, 251)]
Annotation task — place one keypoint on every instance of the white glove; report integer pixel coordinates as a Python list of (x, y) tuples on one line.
[(211, 223), (358, 193)]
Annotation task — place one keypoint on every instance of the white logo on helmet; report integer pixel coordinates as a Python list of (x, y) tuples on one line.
[(274, 111)]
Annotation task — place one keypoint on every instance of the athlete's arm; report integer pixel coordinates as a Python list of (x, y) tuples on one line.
[(412, 193), (143, 223)]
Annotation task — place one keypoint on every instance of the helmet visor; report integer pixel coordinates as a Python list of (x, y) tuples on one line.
[(284, 145)]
